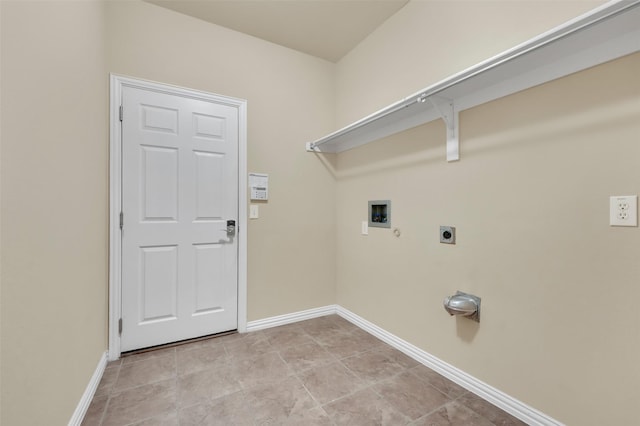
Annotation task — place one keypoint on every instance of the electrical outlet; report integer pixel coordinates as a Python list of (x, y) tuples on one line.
[(448, 234), (623, 210)]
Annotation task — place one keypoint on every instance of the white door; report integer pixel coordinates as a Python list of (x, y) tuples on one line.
[(179, 189)]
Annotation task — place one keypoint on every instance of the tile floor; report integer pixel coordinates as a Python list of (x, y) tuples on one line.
[(323, 371)]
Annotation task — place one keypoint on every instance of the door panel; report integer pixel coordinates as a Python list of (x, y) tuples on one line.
[(159, 119), (180, 186), (159, 186), (209, 126), (209, 186), (158, 283), (209, 263)]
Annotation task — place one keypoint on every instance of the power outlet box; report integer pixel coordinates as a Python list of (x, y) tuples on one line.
[(623, 210), (447, 234)]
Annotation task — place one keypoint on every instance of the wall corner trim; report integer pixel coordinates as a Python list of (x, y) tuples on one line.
[(516, 408), (89, 392)]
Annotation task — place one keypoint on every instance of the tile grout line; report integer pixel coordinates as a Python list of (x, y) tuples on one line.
[(337, 360), (109, 394), (318, 404), (322, 329), (372, 385), (176, 388), (451, 399)]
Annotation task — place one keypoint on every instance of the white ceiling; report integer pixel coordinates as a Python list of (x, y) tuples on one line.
[(324, 28)]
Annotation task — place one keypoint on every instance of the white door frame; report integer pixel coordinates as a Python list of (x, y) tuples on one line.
[(115, 196)]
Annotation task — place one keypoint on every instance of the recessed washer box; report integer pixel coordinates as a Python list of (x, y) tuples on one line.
[(380, 213)]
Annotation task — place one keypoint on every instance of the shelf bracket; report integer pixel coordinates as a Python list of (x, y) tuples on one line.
[(311, 147), (449, 115)]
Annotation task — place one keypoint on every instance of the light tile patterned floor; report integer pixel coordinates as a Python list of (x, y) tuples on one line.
[(324, 371)]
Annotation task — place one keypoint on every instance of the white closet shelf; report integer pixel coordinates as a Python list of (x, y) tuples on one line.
[(603, 34)]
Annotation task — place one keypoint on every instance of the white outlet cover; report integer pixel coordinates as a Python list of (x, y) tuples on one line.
[(364, 228), (254, 211), (623, 210)]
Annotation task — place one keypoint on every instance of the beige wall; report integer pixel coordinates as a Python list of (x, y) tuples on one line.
[(290, 98), (54, 207), (56, 57), (429, 40), (564, 147), (529, 198)]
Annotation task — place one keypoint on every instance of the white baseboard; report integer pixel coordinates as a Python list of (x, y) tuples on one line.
[(87, 396), (291, 318), (516, 408)]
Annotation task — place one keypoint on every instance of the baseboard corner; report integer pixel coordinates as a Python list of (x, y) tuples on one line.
[(89, 392), (291, 318)]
